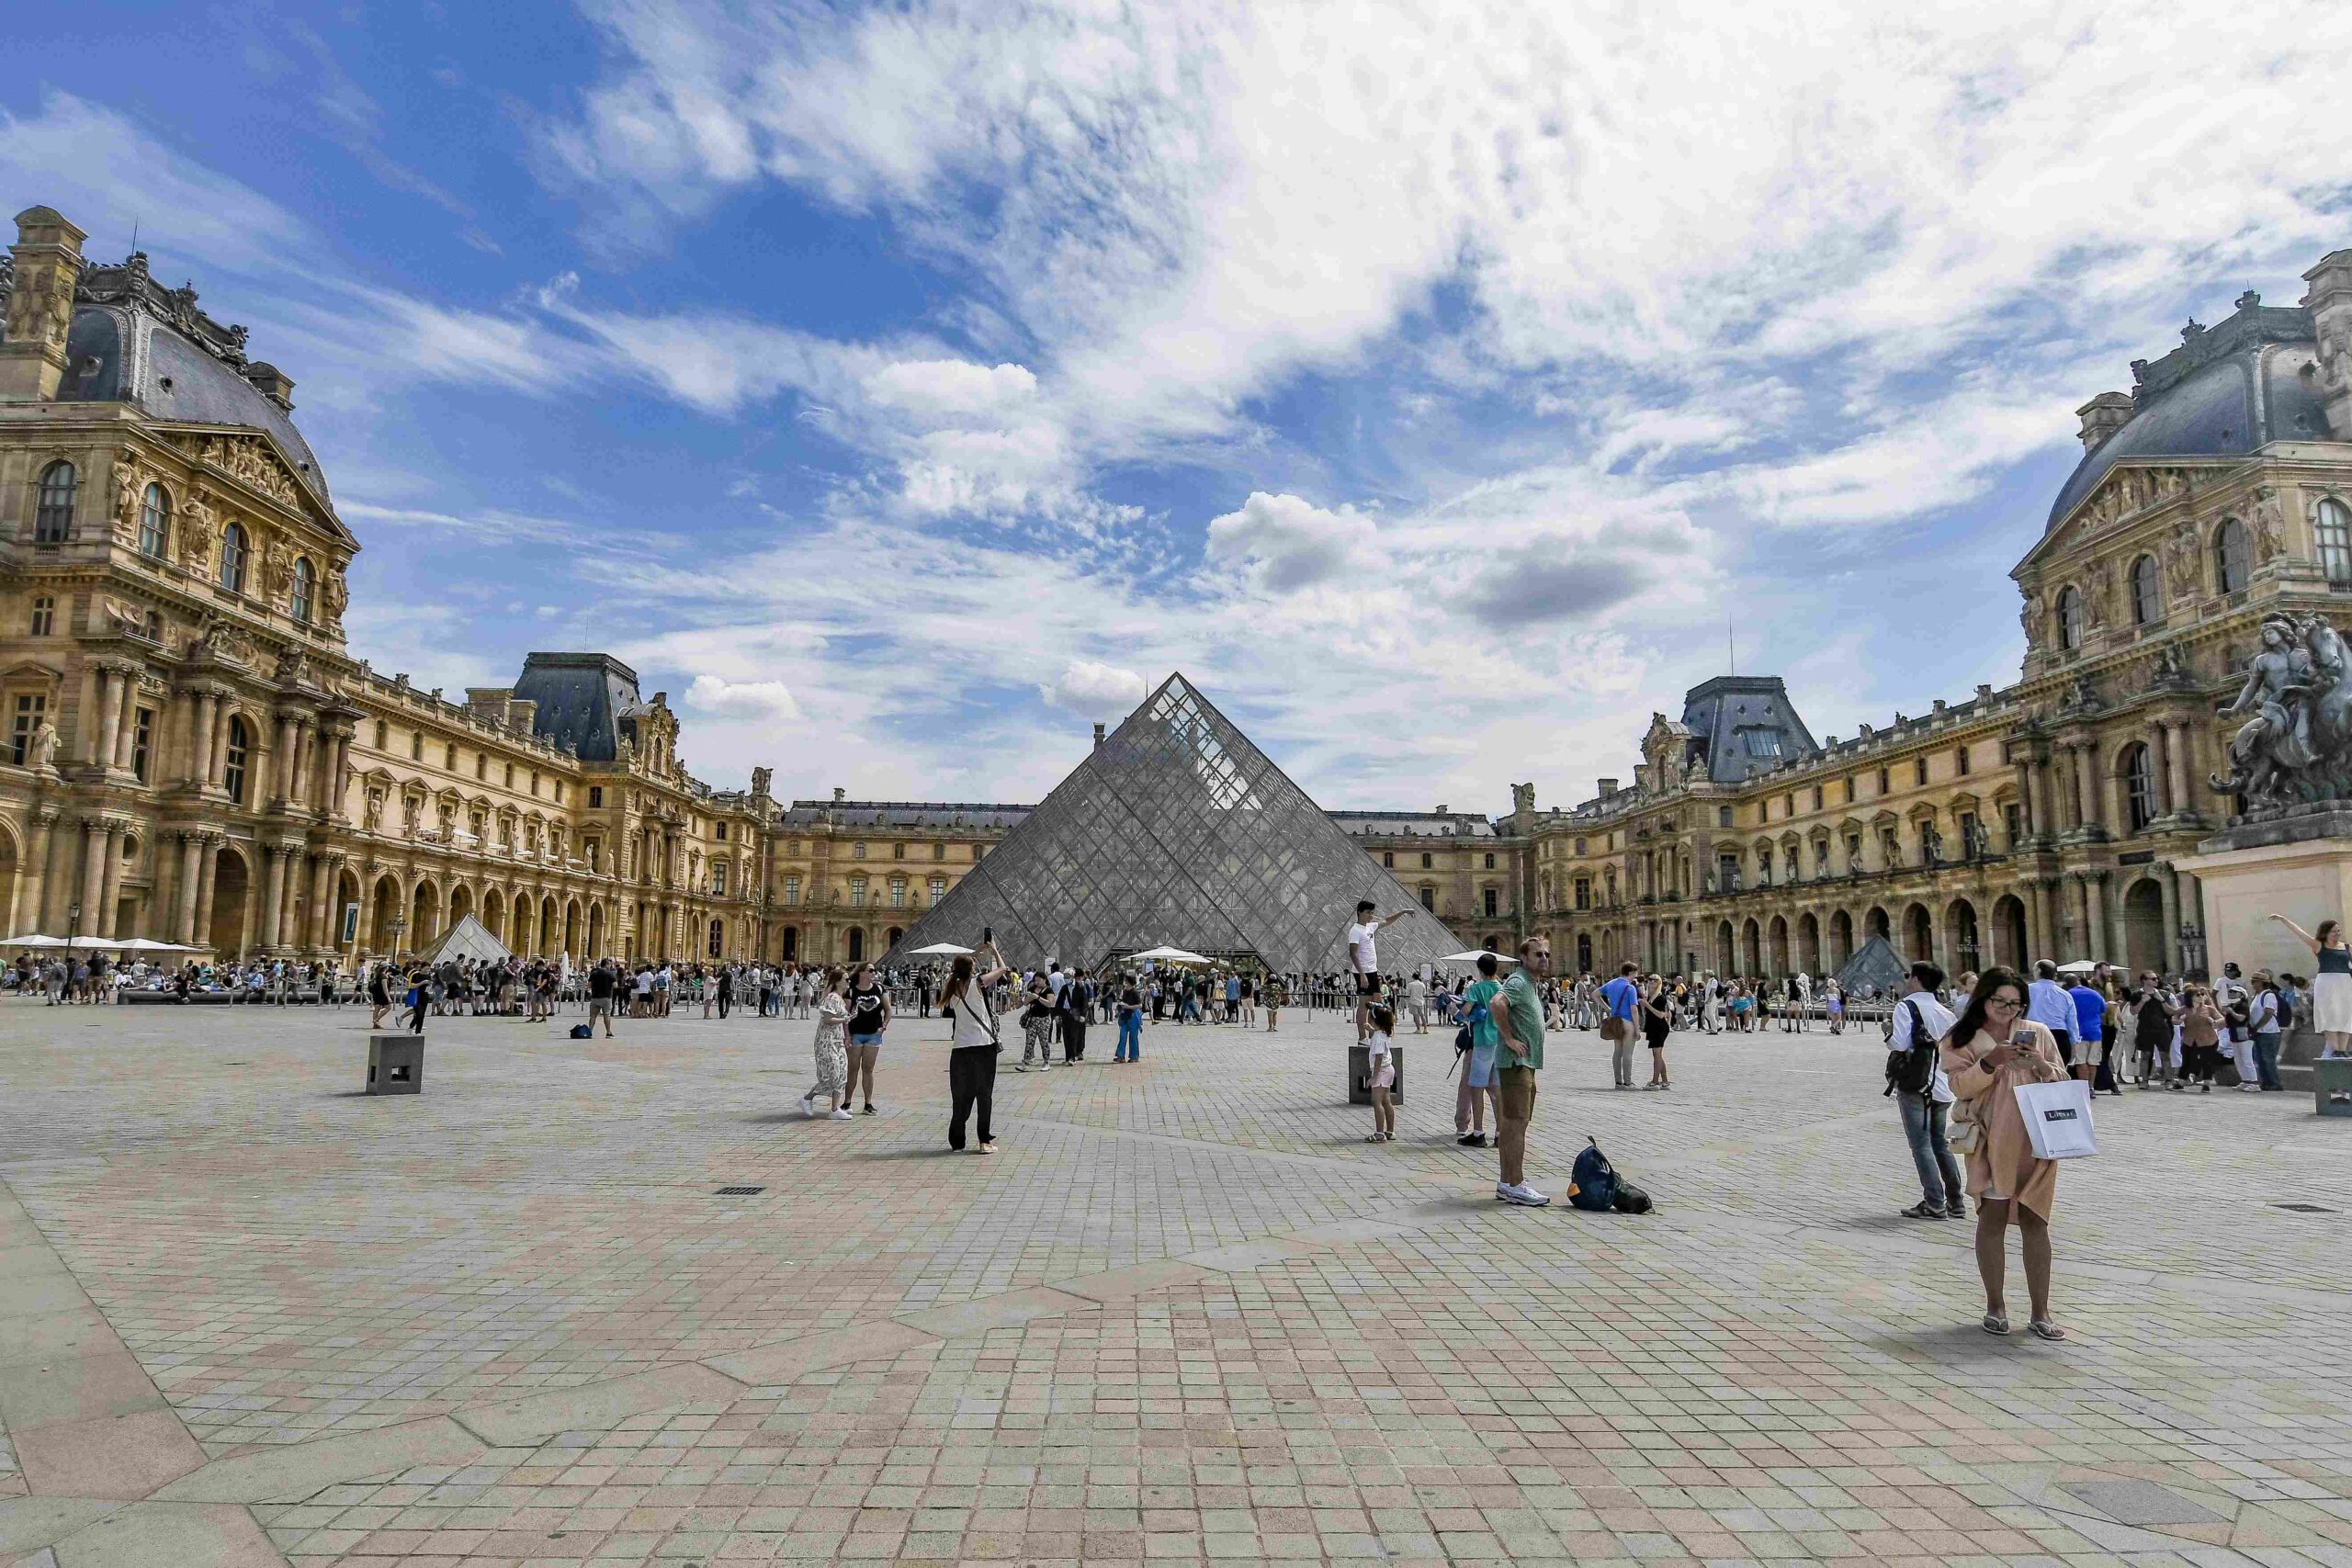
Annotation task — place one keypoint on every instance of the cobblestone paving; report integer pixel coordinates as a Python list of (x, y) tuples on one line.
[(1185, 1315)]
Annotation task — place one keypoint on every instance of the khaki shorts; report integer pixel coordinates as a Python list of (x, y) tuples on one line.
[(1515, 1099)]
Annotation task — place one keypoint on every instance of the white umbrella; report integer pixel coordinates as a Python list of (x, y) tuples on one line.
[(939, 950), (1169, 955), (1475, 955), (148, 945), (2079, 966), (33, 941)]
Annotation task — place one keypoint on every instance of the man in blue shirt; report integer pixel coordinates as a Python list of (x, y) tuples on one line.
[(2090, 1029), (1621, 997), (2047, 1004)]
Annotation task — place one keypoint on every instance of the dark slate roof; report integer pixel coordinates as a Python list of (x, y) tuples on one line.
[(582, 697), (972, 815), (131, 336), (2225, 393), (1745, 724), (1415, 823)]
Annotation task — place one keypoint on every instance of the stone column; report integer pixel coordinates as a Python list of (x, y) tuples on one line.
[(110, 718), (316, 931), (2118, 933), (2086, 802), (204, 712), (93, 871), (367, 907), (110, 890), (57, 878), (33, 876), (207, 868), (2033, 895), (306, 775), (184, 913), (127, 723), (342, 783), (2177, 743), (217, 770), (2070, 938), (2168, 885), (281, 761), (2095, 931), (273, 888)]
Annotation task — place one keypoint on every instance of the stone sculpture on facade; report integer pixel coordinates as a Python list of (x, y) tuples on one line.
[(2297, 745)]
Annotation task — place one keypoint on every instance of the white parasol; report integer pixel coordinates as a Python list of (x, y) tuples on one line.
[(2079, 966), (33, 941), (939, 950), (1168, 955), (1475, 955)]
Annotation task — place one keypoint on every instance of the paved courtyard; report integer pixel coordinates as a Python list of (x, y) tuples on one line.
[(248, 1314)]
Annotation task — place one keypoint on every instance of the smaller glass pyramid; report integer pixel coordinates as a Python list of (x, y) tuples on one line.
[(1177, 830)]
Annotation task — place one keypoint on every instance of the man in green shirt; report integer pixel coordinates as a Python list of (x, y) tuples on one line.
[(1520, 1021)]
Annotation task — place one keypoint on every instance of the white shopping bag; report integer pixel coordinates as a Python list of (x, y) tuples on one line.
[(2058, 1117)]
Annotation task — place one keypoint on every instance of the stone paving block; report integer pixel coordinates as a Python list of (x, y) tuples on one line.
[(73, 1388), (795, 1358), (1010, 1310), (123, 1457), (294, 1471), (596, 1406), (1125, 1284), (181, 1535), (29, 1523)]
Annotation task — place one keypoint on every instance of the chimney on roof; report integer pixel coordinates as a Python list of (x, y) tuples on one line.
[(47, 259), (2329, 300), (271, 383), (1609, 787), (840, 794), (1442, 810), (2102, 417), (1098, 735)]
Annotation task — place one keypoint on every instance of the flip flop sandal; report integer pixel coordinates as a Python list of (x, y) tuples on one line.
[(2045, 1329), (1994, 1323)]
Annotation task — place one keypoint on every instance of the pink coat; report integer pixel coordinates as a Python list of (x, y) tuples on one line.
[(2005, 1148)]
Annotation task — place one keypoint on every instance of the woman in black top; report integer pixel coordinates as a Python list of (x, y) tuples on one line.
[(869, 1015)]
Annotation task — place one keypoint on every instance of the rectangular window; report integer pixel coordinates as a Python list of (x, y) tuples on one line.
[(2012, 823), (29, 709), (1920, 771), (1425, 860), (535, 783), (939, 852), (1816, 797), (1388, 858), (1850, 789), (1968, 835), (1853, 851), (1885, 783), (1491, 900), (722, 832), (45, 615), (857, 893), (898, 894), (1490, 863), (977, 851), (143, 738), (857, 852), (719, 878), (510, 775), (1429, 899), (595, 798), (1788, 804), (482, 764), (938, 888), (1584, 892), (1960, 761), (416, 747), (449, 760), (792, 890), (1890, 846), (899, 850)]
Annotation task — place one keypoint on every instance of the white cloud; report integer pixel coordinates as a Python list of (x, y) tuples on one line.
[(753, 699), (951, 391), (1097, 690), (1284, 544)]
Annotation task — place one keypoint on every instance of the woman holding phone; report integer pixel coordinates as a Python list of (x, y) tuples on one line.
[(1993, 1048), (973, 1045)]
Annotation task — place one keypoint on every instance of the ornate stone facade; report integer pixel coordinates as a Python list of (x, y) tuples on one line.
[(188, 752)]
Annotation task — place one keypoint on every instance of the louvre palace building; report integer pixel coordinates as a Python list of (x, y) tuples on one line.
[(193, 754)]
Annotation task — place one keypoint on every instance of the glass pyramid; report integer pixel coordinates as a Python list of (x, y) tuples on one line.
[(1177, 830)]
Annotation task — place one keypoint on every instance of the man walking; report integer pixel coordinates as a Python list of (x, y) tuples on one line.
[(1920, 1022), (1620, 999), (2090, 1030), (1416, 999), (1364, 961), (602, 981), (2048, 1004), (1518, 1055)]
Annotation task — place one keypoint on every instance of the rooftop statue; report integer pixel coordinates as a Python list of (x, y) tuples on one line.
[(2296, 743)]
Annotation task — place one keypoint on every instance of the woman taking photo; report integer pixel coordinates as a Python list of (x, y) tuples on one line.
[(1658, 1020), (2200, 1039), (973, 1045), (869, 1015), (1992, 1050), (2332, 987)]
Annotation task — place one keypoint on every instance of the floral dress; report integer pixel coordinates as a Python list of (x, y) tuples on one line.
[(833, 1053)]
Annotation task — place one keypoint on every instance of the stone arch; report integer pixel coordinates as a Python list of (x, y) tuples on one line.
[(715, 939), (1808, 953), (572, 931), (493, 912), (1777, 945), (1751, 948), (346, 893), (461, 902), (1726, 950), (856, 945), (1875, 923), (2008, 935), (546, 948), (1841, 940), (792, 944), (1963, 940), (1918, 940), (382, 940), (232, 902), (425, 913), (10, 878), (596, 930), (2144, 926)]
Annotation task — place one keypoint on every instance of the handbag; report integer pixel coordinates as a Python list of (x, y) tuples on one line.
[(2058, 1119)]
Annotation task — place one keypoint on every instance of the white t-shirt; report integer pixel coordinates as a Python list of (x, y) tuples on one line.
[(1361, 953), (1418, 991), (974, 1021), (1378, 1045)]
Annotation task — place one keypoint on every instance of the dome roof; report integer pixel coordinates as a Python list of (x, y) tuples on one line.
[(134, 342), (2225, 393)]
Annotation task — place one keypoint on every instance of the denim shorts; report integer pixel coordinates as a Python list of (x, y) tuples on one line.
[(865, 1040), (1479, 1071)]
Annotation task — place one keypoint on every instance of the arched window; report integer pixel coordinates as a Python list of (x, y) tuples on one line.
[(2070, 619), (233, 774), (2140, 786), (2231, 562), (53, 517), (305, 584), (2147, 593), (233, 559), (2334, 531), (154, 522)]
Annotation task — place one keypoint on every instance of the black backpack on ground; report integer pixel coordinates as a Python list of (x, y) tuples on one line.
[(1593, 1183)]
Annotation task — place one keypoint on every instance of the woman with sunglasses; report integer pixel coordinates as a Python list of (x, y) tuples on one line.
[(1993, 1048)]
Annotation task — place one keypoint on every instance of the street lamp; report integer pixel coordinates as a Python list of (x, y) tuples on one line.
[(72, 926), (396, 925)]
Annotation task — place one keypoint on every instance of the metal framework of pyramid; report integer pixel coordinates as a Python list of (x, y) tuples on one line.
[(1177, 829)]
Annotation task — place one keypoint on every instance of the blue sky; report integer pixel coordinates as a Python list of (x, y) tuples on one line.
[(902, 389)]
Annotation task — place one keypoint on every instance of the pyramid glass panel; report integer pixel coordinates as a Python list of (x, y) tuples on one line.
[(1177, 829)]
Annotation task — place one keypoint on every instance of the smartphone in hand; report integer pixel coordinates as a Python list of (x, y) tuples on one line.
[(2021, 1038)]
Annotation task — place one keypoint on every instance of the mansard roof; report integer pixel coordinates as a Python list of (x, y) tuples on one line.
[(582, 699), (1742, 725), (2226, 392)]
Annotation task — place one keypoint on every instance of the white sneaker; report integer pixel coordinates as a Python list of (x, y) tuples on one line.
[(1525, 1196), (840, 1116), (2249, 1088)]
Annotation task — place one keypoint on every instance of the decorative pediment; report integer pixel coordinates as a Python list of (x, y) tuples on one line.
[(256, 461)]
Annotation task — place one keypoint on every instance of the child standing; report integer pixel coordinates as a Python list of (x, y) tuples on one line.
[(1383, 1069)]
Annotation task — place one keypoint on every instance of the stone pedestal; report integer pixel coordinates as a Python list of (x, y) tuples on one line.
[(396, 1064), (2296, 863), (1360, 1074)]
